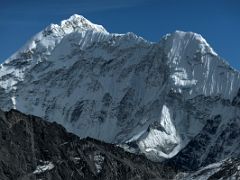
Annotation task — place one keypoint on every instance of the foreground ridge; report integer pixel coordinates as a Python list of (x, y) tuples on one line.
[(32, 148), (35, 149)]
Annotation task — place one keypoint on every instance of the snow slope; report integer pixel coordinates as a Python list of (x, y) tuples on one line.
[(120, 88)]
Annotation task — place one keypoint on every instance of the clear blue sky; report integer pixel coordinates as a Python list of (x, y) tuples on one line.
[(217, 20)]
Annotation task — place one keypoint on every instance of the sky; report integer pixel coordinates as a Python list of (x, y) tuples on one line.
[(218, 21)]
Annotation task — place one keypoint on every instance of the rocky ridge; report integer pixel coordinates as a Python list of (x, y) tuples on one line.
[(34, 149)]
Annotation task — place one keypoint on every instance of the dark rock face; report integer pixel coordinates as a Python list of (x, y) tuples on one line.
[(31, 149), (216, 139), (228, 170), (236, 100)]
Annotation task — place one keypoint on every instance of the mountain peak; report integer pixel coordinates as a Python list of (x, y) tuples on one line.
[(46, 40), (78, 21), (188, 40), (73, 23)]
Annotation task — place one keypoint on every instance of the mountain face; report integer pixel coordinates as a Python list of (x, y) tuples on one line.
[(176, 97), (215, 141), (35, 149)]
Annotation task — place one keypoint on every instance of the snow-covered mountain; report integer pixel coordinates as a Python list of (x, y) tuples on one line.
[(153, 98)]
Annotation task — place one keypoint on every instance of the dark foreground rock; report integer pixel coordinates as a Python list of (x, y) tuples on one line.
[(31, 149)]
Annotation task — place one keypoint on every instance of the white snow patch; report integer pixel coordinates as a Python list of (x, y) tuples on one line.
[(13, 98), (180, 78), (98, 159), (77, 158), (47, 166)]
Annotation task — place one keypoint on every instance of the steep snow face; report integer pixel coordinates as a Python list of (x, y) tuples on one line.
[(45, 41), (42, 45), (119, 88), (195, 66)]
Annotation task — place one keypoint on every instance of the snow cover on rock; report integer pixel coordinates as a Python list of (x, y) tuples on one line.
[(120, 88), (228, 169), (203, 173), (98, 159), (46, 166)]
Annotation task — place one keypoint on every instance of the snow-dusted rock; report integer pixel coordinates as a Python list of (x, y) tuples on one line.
[(228, 169)]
